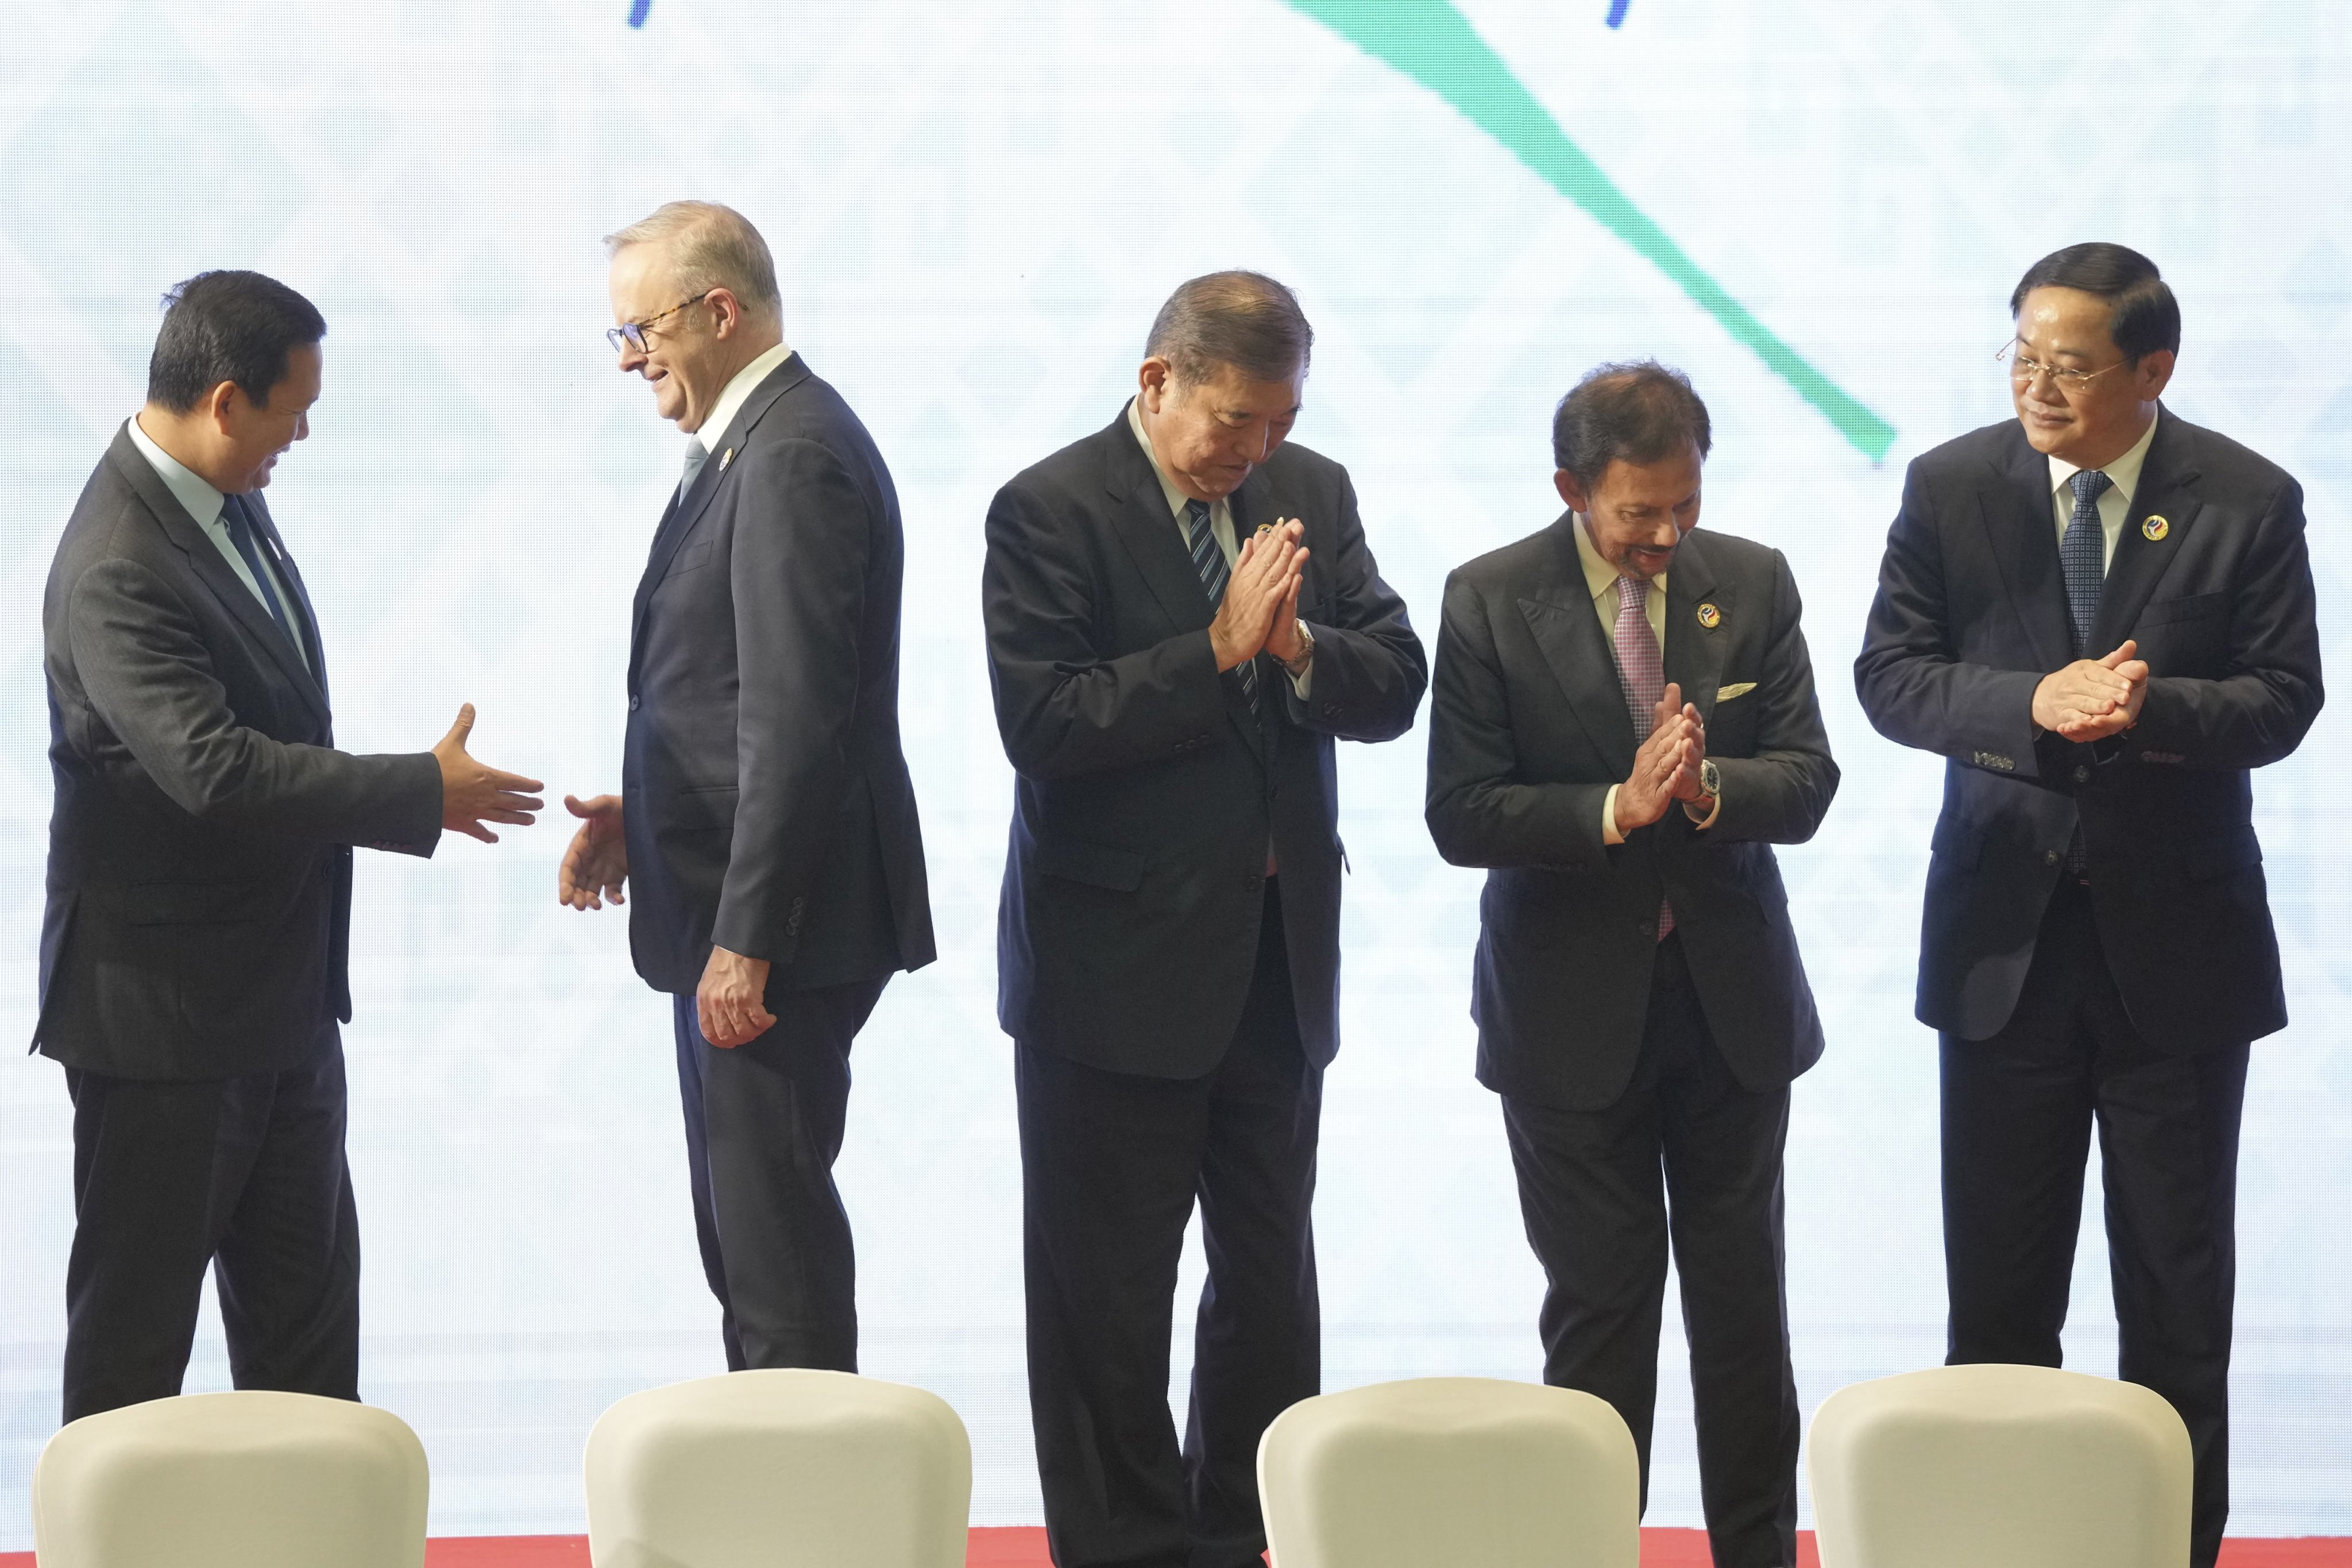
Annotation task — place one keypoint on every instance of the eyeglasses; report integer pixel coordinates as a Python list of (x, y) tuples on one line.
[(2023, 369), (632, 335)]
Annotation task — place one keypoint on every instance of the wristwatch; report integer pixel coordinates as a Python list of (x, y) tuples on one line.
[(1298, 667), (1710, 792)]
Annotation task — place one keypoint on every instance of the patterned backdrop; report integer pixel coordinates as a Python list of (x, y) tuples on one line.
[(1817, 208)]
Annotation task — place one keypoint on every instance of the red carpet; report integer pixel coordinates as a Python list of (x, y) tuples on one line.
[(1026, 1549)]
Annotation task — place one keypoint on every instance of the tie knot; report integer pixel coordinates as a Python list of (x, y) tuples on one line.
[(1632, 591), (2089, 484), (1196, 513)]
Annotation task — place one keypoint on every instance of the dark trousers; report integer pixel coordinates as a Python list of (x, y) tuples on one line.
[(763, 1126), (1600, 1218), (242, 1175), (2017, 1110), (1111, 1164)]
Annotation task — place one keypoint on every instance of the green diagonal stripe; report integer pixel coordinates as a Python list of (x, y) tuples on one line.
[(1434, 43)]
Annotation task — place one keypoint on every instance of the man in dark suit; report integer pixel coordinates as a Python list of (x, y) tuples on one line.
[(1182, 614), (2103, 616), (194, 948), (766, 817), (1639, 1002)]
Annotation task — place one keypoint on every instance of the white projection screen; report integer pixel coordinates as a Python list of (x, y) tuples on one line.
[(1816, 208)]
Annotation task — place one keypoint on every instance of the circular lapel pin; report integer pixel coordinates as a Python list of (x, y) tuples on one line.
[(1709, 616), (2156, 527)]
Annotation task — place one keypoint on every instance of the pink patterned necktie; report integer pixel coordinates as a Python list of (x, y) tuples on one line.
[(1642, 672)]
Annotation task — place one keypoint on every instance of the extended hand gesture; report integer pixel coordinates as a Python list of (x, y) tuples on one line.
[(1666, 765), (1263, 589), (597, 863), (473, 794)]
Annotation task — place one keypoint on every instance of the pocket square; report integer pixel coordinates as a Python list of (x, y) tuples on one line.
[(1739, 689)]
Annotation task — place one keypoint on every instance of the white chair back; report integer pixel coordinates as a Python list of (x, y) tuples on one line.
[(1451, 1470), (779, 1469), (2027, 1466), (249, 1479)]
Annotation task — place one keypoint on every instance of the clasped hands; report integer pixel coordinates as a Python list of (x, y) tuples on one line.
[(730, 1002), (1666, 768), (2092, 699), (1260, 609)]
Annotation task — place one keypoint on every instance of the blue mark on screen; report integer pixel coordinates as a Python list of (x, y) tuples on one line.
[(638, 9), (1616, 11)]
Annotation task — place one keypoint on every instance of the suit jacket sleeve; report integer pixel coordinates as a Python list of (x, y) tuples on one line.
[(1369, 670), (1915, 690), (797, 575), (1478, 812), (1780, 793), (143, 662), (1063, 707), (2260, 711)]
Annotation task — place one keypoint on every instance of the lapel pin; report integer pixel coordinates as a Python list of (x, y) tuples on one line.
[(1709, 616), (2156, 527), (726, 458)]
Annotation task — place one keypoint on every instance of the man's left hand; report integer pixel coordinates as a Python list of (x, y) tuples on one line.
[(1284, 641), (1687, 786), (730, 1003)]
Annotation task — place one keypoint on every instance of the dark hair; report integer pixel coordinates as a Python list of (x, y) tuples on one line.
[(1245, 319), (1636, 412), (227, 326), (2145, 316)]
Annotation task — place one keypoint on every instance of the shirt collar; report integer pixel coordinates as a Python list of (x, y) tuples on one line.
[(190, 489), (2123, 473), (1599, 575), (731, 402), (1177, 500)]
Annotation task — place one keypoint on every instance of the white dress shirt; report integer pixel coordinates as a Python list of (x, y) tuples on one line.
[(1601, 578), (2115, 501), (723, 413), (1221, 525), (205, 504)]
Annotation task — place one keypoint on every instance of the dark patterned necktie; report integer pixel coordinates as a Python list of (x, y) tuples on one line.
[(1642, 672), (240, 533), (2082, 553), (1209, 561)]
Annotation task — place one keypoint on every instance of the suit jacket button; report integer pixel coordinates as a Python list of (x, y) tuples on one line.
[(2049, 857), (633, 701), (2081, 773), (1649, 928)]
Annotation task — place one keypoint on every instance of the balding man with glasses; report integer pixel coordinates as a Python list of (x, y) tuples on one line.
[(2102, 616), (766, 824)]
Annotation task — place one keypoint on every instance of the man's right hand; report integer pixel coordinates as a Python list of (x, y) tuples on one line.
[(2092, 697), (1263, 579), (597, 863), (473, 794), (1667, 762)]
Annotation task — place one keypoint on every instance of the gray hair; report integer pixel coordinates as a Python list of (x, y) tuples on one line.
[(709, 246), (1245, 319)]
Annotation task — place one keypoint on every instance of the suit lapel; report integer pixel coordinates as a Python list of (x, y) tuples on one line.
[(1694, 650), (212, 570), (1153, 540), (2022, 527), (1560, 615), (306, 619), (685, 511), (2140, 562)]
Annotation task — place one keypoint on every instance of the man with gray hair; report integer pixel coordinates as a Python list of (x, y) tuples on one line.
[(1623, 724), (765, 814), (1182, 616)]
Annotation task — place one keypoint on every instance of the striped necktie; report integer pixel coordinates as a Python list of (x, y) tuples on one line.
[(1209, 561)]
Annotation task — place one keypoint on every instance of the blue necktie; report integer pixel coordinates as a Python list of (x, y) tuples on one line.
[(1209, 561), (240, 533), (2082, 553)]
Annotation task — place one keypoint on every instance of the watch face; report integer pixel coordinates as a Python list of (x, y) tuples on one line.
[(1710, 777)]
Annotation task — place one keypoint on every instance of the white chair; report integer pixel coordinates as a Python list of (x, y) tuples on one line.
[(249, 1479), (2026, 1467), (779, 1469), (1451, 1470)]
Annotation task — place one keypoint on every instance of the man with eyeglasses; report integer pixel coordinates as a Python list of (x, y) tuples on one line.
[(765, 820), (2102, 616)]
